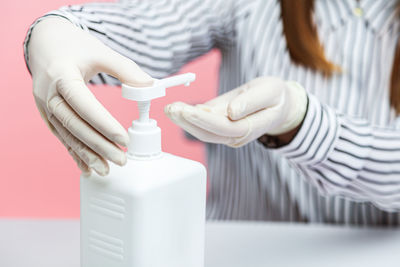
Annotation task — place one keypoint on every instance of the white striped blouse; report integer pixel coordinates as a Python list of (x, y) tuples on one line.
[(343, 166)]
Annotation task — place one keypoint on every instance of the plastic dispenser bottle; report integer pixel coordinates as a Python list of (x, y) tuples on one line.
[(150, 212)]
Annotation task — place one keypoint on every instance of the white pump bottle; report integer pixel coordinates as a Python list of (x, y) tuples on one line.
[(150, 212)]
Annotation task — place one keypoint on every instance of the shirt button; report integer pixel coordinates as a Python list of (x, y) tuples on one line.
[(358, 11)]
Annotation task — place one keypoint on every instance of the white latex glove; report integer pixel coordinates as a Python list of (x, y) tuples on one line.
[(62, 59), (265, 105)]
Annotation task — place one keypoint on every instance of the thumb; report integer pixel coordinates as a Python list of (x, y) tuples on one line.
[(262, 93), (123, 68)]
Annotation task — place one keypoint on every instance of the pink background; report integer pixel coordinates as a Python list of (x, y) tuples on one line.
[(38, 178)]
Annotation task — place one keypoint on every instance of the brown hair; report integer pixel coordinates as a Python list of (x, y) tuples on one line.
[(306, 49)]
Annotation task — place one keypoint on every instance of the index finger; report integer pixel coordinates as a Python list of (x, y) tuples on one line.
[(81, 99), (214, 122)]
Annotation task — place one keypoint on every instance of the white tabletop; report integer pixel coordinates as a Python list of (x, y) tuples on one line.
[(29, 243)]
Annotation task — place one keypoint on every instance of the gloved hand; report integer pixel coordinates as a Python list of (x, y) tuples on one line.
[(62, 59), (265, 105)]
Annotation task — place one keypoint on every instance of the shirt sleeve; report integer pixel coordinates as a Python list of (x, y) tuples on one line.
[(347, 156), (159, 35)]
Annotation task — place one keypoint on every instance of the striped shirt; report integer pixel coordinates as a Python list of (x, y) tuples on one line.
[(343, 166)]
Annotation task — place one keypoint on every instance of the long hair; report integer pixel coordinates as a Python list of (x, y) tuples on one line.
[(306, 49)]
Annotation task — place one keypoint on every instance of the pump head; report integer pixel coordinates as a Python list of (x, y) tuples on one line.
[(145, 136)]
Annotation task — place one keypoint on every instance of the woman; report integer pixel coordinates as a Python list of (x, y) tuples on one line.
[(322, 101)]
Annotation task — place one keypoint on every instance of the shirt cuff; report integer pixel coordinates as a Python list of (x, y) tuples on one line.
[(316, 137), (62, 12)]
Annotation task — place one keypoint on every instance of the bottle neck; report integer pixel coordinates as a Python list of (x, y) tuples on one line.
[(144, 110), (145, 140)]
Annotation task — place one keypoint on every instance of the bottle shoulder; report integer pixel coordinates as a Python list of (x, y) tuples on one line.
[(166, 162), (139, 176)]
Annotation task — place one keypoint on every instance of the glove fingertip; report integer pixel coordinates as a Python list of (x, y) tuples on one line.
[(86, 173), (102, 170), (121, 159), (167, 109), (122, 140), (236, 110), (174, 109)]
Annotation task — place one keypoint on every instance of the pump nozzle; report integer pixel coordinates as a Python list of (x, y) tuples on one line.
[(145, 136), (185, 79), (143, 95), (157, 89)]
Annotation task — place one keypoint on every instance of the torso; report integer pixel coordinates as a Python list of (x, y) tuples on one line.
[(257, 184)]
